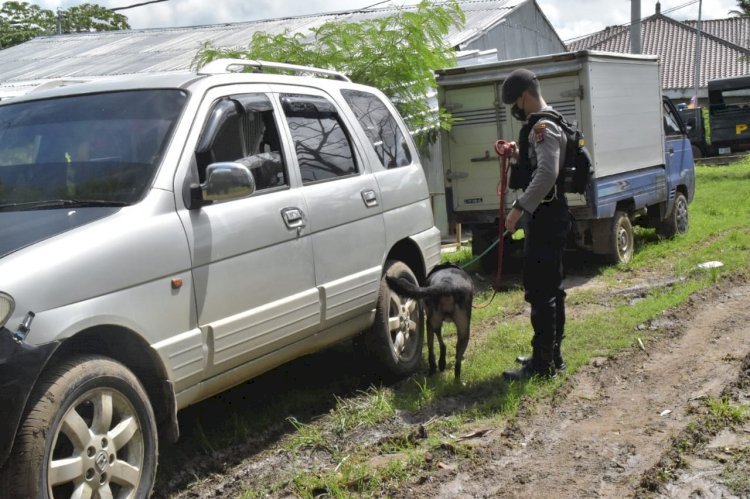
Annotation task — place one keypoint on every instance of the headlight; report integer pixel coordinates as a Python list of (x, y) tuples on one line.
[(6, 308)]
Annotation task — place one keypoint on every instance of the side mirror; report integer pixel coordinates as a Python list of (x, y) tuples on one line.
[(224, 182)]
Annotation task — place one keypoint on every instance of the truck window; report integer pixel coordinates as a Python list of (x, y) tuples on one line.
[(671, 122), (380, 127), (324, 151), (732, 100)]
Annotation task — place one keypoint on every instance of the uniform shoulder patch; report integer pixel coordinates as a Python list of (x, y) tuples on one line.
[(539, 129)]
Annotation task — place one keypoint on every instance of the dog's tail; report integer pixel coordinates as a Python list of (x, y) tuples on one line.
[(407, 288)]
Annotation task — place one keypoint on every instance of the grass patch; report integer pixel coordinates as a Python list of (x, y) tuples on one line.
[(736, 474), (374, 406), (725, 414)]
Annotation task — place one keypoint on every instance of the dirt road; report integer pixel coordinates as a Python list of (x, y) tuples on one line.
[(614, 421)]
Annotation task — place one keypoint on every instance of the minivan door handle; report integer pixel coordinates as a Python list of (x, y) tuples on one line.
[(293, 217), (370, 198)]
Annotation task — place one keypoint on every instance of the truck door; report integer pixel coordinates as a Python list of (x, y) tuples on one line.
[(473, 169), (678, 153)]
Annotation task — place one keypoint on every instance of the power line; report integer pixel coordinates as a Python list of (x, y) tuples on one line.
[(138, 5), (375, 5), (686, 4)]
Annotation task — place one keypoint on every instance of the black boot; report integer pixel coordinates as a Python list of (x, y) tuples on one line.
[(560, 364), (557, 357), (530, 369)]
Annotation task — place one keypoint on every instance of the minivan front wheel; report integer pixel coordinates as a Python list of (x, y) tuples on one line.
[(90, 432), (397, 334)]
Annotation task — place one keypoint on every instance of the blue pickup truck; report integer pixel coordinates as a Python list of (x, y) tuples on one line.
[(643, 169)]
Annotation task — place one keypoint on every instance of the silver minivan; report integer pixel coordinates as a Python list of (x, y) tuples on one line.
[(166, 237)]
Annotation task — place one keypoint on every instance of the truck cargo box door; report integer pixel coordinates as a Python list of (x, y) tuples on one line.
[(472, 168)]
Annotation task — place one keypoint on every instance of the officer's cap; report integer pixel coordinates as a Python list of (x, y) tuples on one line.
[(518, 81)]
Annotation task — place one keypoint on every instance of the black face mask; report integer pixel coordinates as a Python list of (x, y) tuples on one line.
[(518, 113)]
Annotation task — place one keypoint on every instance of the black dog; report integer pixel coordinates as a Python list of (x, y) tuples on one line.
[(447, 296)]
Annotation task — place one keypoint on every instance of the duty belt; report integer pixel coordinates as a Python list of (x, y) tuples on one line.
[(551, 196)]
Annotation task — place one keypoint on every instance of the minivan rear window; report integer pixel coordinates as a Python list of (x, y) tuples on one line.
[(380, 127)]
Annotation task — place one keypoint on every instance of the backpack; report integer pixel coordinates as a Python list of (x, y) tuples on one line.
[(576, 170)]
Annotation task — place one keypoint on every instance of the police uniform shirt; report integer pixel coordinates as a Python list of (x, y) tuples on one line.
[(546, 143)]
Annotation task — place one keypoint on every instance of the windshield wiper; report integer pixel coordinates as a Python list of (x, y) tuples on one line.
[(48, 204)]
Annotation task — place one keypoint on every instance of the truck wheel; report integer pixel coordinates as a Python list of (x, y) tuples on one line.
[(90, 432), (622, 240), (395, 340), (677, 221)]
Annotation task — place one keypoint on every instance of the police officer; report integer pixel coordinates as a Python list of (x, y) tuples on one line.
[(544, 212)]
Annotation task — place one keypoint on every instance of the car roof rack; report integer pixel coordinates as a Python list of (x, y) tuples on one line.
[(223, 66), (62, 82)]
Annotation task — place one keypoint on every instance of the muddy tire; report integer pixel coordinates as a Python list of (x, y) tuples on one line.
[(395, 341), (677, 222), (621, 239), (89, 432)]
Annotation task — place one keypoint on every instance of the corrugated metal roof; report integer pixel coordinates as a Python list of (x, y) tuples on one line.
[(169, 49), (674, 43)]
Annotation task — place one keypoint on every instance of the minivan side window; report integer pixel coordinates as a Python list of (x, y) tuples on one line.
[(242, 129), (324, 151), (380, 127)]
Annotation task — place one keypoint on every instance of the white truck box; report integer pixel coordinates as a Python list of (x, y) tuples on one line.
[(614, 99)]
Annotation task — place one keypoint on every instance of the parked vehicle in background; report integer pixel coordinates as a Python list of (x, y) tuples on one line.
[(643, 169), (697, 132), (166, 237), (728, 118)]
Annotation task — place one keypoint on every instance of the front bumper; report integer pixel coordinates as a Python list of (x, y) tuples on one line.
[(20, 366)]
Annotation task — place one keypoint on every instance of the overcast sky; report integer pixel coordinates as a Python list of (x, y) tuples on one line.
[(571, 18)]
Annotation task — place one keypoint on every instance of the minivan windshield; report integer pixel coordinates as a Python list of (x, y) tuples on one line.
[(84, 150)]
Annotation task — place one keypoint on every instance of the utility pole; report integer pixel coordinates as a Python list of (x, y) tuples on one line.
[(635, 26), (698, 53)]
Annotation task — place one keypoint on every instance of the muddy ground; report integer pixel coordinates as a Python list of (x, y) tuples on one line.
[(634, 425)]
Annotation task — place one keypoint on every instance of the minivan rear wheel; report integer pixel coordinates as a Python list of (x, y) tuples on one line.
[(395, 341), (90, 432)]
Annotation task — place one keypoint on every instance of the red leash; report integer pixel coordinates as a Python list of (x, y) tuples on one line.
[(504, 152)]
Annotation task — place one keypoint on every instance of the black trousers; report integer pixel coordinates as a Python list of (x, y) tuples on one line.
[(545, 236)]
